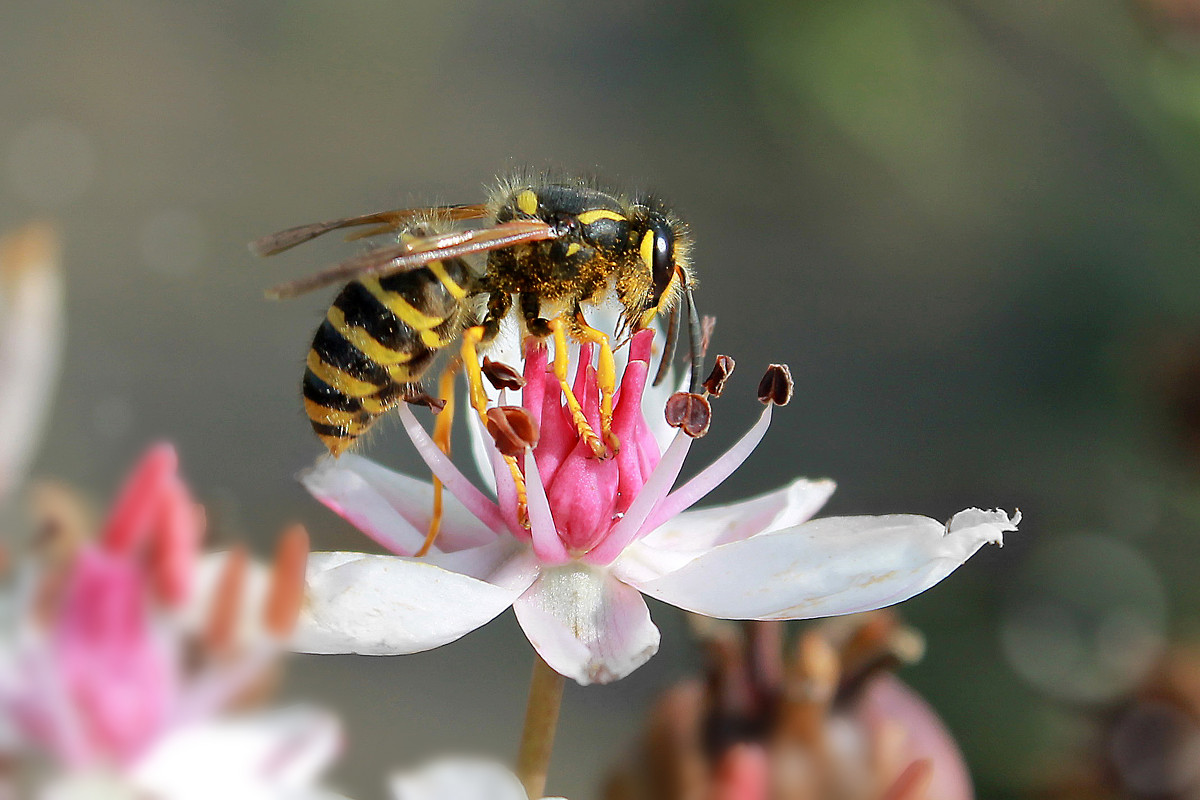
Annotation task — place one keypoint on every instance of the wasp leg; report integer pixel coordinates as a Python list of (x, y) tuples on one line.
[(498, 306), (606, 377), (442, 427), (556, 329)]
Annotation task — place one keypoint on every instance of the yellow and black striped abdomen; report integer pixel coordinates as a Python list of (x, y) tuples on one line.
[(376, 341)]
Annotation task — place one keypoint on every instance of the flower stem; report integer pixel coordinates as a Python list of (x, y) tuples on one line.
[(541, 720)]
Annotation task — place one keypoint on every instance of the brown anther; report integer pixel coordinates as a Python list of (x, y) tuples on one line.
[(689, 412), (285, 597), (512, 428), (220, 629), (435, 404), (714, 384), (776, 385), (502, 376)]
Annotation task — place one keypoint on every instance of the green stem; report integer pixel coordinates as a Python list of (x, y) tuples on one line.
[(541, 720)]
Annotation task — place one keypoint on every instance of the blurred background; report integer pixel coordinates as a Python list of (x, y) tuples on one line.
[(972, 228)]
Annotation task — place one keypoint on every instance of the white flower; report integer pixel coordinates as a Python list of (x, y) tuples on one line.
[(460, 779), (31, 334), (601, 534)]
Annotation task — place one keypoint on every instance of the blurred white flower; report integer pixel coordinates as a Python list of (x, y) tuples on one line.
[(31, 335)]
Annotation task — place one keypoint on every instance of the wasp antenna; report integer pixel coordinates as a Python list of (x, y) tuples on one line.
[(668, 354), (695, 339)]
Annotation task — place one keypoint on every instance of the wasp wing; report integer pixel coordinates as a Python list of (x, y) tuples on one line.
[(383, 221), (419, 251)]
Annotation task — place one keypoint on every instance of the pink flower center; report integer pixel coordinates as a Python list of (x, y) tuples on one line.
[(589, 495), (117, 674)]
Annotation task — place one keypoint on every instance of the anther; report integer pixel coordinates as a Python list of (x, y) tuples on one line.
[(220, 629), (689, 412), (285, 597), (435, 404), (776, 385), (714, 384), (502, 376), (512, 428)]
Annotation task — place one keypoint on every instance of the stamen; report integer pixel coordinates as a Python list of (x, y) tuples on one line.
[(502, 376), (714, 384), (285, 596), (776, 385), (458, 484), (652, 494), (512, 428), (547, 545), (434, 404), (709, 478), (691, 413), (221, 627)]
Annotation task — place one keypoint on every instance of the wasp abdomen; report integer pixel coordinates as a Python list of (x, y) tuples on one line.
[(377, 339)]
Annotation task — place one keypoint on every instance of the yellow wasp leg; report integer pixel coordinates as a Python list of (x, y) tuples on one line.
[(442, 427), (470, 356), (606, 377), (560, 372)]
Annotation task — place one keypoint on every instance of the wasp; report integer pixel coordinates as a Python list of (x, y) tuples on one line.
[(548, 249)]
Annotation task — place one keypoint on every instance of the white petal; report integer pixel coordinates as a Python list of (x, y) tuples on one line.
[(691, 534), (31, 334), (586, 624), (390, 507), (387, 605), (83, 785), (264, 757), (458, 779), (709, 527), (837, 565)]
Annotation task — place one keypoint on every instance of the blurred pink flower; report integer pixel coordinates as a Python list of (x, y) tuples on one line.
[(97, 679), (601, 533), (820, 718)]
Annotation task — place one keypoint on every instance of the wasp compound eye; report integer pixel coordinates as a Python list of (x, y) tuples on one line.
[(658, 253)]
